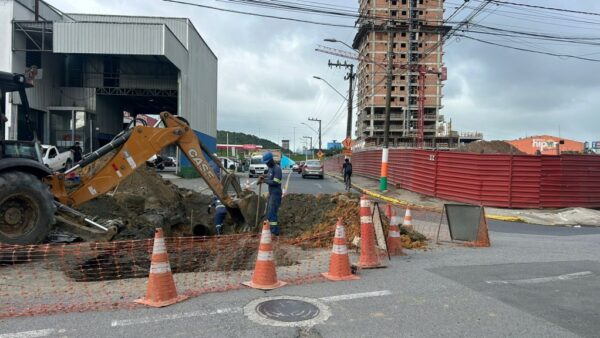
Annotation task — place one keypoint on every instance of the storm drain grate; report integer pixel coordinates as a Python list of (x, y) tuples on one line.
[(288, 310)]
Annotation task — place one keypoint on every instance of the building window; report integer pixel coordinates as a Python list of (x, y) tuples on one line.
[(404, 2), (394, 13), (401, 99), (402, 77), (394, 2), (402, 88), (403, 13), (402, 45), (403, 56), (32, 58)]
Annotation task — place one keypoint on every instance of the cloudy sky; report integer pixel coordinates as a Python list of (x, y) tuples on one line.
[(266, 68)]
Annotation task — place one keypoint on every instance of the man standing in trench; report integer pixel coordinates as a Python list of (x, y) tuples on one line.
[(273, 180)]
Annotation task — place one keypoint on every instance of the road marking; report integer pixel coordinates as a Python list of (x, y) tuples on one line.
[(156, 319), (319, 185), (232, 310), (32, 334), (569, 276), (356, 296)]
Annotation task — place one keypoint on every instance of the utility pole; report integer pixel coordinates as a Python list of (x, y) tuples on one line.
[(350, 76), (388, 98), (317, 120)]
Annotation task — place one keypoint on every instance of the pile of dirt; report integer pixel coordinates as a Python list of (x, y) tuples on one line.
[(144, 201), (490, 147), (307, 216)]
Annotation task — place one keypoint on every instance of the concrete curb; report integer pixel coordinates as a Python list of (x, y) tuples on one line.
[(403, 202)]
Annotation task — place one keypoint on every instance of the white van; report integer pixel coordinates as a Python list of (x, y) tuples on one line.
[(257, 167)]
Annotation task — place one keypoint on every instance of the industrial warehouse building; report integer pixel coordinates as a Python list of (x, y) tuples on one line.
[(91, 69)]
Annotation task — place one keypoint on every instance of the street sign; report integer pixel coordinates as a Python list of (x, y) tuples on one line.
[(347, 152), (320, 154), (595, 144), (347, 143)]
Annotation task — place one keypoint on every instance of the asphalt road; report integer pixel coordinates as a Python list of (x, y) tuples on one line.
[(298, 185)]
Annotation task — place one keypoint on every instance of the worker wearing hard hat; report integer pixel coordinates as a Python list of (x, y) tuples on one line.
[(273, 180)]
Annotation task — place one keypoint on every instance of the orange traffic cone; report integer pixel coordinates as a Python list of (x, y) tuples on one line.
[(368, 251), (161, 285), (339, 263), (265, 276), (393, 241), (407, 218)]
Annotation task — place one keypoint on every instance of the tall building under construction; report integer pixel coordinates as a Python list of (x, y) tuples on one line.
[(417, 32)]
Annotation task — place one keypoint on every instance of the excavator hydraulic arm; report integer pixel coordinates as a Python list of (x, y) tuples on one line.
[(134, 148)]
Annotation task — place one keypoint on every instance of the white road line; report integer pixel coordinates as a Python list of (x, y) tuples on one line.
[(319, 186), (32, 334), (569, 276), (356, 296), (155, 319)]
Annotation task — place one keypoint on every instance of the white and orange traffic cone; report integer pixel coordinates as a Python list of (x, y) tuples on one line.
[(407, 218), (394, 242), (161, 285), (368, 251), (339, 262), (247, 185), (265, 276)]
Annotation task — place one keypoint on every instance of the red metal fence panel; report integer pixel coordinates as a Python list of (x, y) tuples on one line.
[(500, 180)]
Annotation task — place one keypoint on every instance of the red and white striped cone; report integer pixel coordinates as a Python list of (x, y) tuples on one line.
[(265, 276), (407, 218), (161, 285), (368, 251), (394, 242), (339, 262)]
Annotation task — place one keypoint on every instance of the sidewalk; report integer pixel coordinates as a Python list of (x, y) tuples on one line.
[(553, 217)]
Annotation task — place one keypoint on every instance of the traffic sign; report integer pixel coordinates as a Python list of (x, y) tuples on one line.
[(347, 143), (347, 152), (320, 154)]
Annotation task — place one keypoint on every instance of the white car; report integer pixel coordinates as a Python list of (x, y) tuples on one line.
[(257, 167), (56, 160)]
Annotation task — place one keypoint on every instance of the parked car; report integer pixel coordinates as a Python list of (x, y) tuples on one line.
[(56, 160), (257, 167), (229, 164), (313, 168), (296, 167), (300, 166), (161, 162)]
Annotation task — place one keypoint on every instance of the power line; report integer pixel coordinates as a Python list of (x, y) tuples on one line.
[(260, 15), (544, 7), (529, 50)]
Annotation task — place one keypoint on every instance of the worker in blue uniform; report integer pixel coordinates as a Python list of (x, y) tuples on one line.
[(273, 180)]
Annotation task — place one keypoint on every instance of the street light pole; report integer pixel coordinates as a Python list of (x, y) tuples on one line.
[(317, 120), (332, 87)]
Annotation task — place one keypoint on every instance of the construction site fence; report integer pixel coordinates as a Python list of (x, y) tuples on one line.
[(57, 278), (497, 180)]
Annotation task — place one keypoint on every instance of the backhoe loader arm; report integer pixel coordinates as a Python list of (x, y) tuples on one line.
[(134, 148)]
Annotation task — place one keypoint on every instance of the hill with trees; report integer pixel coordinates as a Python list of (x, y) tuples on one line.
[(241, 138)]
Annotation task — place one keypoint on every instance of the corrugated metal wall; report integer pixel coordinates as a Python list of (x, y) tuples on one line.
[(108, 38), (179, 26), (511, 181)]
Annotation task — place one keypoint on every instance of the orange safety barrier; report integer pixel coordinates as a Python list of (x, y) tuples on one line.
[(265, 275), (161, 285), (368, 251), (339, 263), (75, 277)]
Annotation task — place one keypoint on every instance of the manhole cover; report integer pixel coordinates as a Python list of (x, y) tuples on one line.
[(287, 310), (290, 311)]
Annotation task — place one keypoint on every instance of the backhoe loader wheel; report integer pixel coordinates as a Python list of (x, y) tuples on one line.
[(26, 208)]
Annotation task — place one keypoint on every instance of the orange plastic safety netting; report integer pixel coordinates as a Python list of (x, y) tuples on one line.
[(43, 279)]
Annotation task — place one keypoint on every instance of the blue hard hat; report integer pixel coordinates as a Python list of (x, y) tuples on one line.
[(267, 157)]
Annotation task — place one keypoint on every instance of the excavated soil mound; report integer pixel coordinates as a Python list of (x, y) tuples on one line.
[(490, 147), (144, 201), (307, 216)]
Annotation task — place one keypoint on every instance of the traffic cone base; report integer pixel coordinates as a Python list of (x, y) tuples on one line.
[(277, 284), (161, 290), (338, 278), (167, 302)]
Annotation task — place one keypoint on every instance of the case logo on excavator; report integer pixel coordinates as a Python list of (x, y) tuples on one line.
[(201, 163)]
